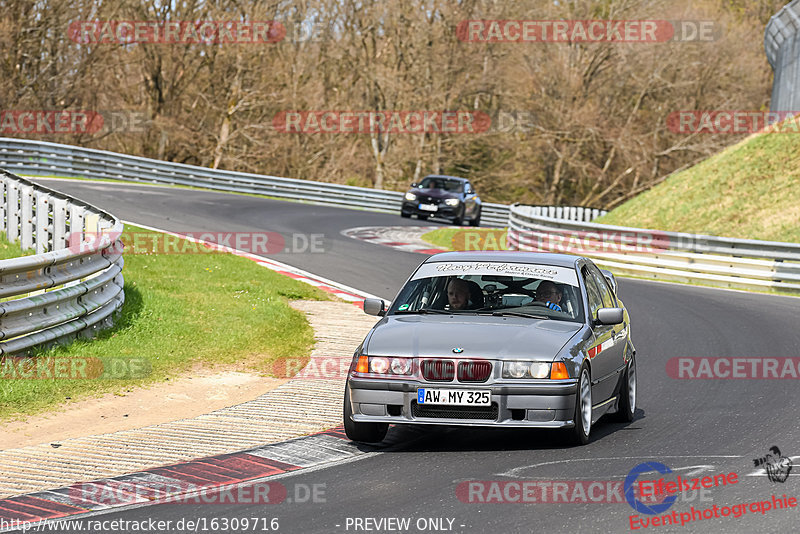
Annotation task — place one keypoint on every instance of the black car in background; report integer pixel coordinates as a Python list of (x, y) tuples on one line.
[(446, 197)]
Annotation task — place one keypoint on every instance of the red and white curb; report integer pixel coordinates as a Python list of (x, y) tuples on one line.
[(215, 479), (342, 291), (405, 238)]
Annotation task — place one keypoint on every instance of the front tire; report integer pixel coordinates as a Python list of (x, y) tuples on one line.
[(583, 408), (361, 432), (405, 215), (627, 394), (477, 220)]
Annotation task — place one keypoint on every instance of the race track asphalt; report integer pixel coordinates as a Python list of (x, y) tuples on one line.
[(693, 426)]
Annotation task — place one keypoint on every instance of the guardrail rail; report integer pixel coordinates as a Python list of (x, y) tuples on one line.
[(37, 158), (672, 256), (73, 284)]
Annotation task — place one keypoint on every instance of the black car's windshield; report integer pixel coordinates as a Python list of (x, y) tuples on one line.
[(492, 288), (452, 186)]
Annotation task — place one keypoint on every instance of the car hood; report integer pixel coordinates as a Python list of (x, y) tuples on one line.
[(434, 193), (503, 338)]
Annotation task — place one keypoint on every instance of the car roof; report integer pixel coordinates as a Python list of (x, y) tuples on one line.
[(540, 258), (446, 177)]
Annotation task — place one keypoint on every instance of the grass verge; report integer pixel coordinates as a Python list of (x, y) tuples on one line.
[(180, 310), (11, 250), (750, 190), (467, 239)]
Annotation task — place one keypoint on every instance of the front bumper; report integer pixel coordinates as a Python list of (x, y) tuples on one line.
[(531, 405), (445, 211)]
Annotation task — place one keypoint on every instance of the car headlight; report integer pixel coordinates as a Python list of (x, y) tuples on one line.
[(401, 366), (452, 201), (381, 365), (526, 370), (411, 196), (515, 369), (540, 370), (378, 365)]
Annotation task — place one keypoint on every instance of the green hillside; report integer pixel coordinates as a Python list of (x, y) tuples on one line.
[(750, 190)]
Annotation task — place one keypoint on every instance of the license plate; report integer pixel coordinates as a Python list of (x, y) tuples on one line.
[(429, 207), (457, 397)]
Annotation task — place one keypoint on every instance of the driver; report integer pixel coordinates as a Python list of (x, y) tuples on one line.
[(549, 293), (458, 294)]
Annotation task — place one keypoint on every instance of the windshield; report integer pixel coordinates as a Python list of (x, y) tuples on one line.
[(492, 288), (453, 186)]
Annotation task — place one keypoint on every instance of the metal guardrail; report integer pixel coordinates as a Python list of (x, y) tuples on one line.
[(73, 285), (36, 158), (782, 46), (672, 256)]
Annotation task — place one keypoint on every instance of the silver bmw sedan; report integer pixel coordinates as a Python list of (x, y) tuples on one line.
[(507, 339)]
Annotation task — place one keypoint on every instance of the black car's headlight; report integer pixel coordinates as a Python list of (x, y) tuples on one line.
[(411, 196), (452, 201)]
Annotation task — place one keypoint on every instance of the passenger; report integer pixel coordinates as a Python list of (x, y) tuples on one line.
[(548, 293), (458, 294)]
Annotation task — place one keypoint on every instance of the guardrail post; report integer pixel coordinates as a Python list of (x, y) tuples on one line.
[(3, 193), (26, 217), (42, 223), (12, 212), (91, 224), (76, 225), (59, 223)]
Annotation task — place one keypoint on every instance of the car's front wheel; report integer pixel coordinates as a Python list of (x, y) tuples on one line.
[(363, 432), (458, 219), (476, 221), (627, 394), (583, 408), (405, 215)]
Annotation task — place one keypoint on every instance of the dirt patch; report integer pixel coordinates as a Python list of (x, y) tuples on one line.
[(179, 398)]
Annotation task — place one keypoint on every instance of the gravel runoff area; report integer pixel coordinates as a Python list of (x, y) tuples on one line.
[(309, 403)]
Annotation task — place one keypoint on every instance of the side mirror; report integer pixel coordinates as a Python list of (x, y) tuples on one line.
[(374, 307), (414, 184), (609, 276), (610, 316)]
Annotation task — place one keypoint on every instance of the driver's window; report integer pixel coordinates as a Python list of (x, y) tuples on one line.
[(593, 293), (605, 293)]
